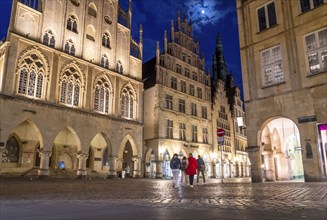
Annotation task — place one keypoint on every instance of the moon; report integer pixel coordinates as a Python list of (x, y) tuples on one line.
[(202, 11)]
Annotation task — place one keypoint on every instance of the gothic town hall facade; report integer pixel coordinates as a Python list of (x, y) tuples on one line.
[(70, 89)]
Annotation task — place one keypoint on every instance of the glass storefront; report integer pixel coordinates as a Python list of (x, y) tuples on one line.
[(322, 141)]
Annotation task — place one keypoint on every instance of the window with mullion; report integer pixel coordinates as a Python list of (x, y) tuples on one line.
[(194, 133), (194, 112), (272, 66), (169, 131), (266, 16), (205, 135), (181, 106), (316, 49), (192, 90), (204, 112), (307, 5), (169, 102), (173, 83), (183, 86), (182, 129)]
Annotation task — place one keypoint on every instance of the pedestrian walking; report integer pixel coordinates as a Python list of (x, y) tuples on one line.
[(184, 164), (201, 169), (175, 165), (191, 168)]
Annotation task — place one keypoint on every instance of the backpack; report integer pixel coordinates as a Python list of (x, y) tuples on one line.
[(175, 163)]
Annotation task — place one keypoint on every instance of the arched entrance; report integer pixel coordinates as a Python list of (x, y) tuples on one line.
[(99, 152), (64, 151), (281, 150), (21, 147), (128, 165)]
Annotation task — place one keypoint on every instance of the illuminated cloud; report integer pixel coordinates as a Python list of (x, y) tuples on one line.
[(202, 12), (206, 12)]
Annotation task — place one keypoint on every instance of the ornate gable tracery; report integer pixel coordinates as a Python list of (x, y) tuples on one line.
[(73, 69), (33, 54)]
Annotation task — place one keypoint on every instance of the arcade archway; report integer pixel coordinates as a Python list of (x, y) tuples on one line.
[(281, 150)]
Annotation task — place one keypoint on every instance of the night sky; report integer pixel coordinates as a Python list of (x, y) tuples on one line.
[(209, 17)]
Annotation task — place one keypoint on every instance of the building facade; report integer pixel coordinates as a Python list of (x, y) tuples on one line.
[(284, 65), (71, 90), (182, 111)]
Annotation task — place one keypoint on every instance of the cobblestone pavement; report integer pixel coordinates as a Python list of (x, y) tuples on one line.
[(157, 199)]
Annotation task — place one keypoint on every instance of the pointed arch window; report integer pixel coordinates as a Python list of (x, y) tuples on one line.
[(49, 39), (72, 23), (70, 47), (127, 103), (70, 86), (119, 67), (102, 96), (11, 152), (31, 75), (104, 61), (106, 40)]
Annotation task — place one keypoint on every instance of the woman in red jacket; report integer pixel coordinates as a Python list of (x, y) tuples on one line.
[(191, 168)]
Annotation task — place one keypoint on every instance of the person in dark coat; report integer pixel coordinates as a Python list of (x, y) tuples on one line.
[(201, 169), (191, 168), (175, 165)]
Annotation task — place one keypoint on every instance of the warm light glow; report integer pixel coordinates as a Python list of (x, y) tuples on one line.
[(240, 122)]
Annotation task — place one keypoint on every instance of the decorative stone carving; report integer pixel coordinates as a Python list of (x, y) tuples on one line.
[(75, 2), (107, 19)]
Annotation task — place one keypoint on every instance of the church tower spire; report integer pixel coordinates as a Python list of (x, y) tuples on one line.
[(219, 65)]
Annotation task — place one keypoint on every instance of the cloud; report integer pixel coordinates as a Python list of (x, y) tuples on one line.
[(202, 12), (206, 12)]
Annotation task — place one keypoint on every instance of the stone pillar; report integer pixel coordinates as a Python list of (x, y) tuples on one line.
[(137, 165), (159, 169), (147, 170), (237, 170), (213, 169), (43, 171), (282, 169), (81, 170), (255, 158), (112, 167), (269, 165)]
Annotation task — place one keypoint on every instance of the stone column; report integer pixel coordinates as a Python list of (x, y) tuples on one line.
[(43, 171), (282, 169), (237, 170), (213, 169), (137, 165), (269, 165), (159, 169), (255, 158), (81, 170), (232, 170), (112, 167), (147, 170)]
